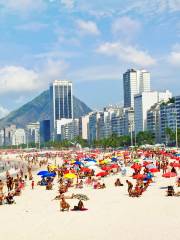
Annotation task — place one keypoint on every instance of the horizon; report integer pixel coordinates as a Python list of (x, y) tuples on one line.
[(91, 44)]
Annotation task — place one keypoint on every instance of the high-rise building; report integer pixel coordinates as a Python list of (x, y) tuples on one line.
[(83, 127), (19, 137), (61, 103), (70, 130), (45, 131), (142, 103), (33, 132), (135, 82), (153, 121)]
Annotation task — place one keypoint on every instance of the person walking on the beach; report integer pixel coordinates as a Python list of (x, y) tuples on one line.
[(32, 184), (1, 186), (130, 186)]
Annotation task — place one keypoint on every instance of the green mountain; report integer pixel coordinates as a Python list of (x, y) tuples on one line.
[(38, 110)]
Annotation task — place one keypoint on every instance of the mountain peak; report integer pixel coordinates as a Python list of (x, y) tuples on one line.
[(38, 110)]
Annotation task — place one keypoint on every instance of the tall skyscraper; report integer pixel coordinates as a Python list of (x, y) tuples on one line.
[(135, 82), (61, 102)]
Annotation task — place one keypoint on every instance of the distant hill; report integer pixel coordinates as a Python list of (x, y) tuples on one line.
[(38, 110)]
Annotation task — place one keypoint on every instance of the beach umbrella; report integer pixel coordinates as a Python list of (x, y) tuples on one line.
[(136, 167), (86, 170), (78, 163), (42, 173), (114, 166), (81, 197), (88, 164), (139, 176), (93, 168), (136, 160), (52, 167), (175, 165), (48, 175), (89, 160), (149, 166), (154, 170), (114, 159), (169, 175), (70, 176), (102, 174), (106, 168)]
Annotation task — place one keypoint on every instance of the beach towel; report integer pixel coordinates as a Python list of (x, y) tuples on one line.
[(83, 209)]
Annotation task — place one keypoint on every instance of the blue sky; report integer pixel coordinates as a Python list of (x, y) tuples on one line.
[(89, 42)]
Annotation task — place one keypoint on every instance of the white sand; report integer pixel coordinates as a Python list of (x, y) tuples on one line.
[(112, 214)]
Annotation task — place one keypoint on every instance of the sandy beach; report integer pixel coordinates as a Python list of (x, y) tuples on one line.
[(111, 214)]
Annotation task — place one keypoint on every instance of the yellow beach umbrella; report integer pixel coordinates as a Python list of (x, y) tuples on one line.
[(70, 176), (52, 167)]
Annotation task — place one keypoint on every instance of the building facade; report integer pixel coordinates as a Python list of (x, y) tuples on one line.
[(142, 103), (61, 103), (135, 82), (45, 132)]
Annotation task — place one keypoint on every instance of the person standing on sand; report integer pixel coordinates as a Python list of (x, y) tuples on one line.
[(130, 186), (1, 186)]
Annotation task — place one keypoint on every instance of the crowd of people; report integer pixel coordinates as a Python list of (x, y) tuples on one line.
[(81, 169)]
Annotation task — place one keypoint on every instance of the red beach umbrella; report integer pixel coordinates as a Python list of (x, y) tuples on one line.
[(106, 168), (169, 175), (175, 164), (87, 170), (139, 176), (102, 174), (154, 170)]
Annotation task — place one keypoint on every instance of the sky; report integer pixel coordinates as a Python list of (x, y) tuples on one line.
[(92, 43)]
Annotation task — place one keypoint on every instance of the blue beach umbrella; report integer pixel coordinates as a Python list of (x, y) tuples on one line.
[(114, 159), (49, 175), (42, 173), (78, 163), (89, 160)]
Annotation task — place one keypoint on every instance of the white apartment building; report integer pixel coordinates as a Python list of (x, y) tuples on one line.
[(33, 132), (142, 103), (83, 127), (135, 82), (19, 137)]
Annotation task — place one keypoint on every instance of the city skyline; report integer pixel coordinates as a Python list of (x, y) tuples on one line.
[(91, 44)]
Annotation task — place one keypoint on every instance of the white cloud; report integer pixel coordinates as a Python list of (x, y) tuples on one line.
[(125, 26), (18, 79), (68, 3), (32, 26), (174, 58), (3, 112), (88, 27), (23, 6), (127, 53), (51, 70), (96, 73)]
